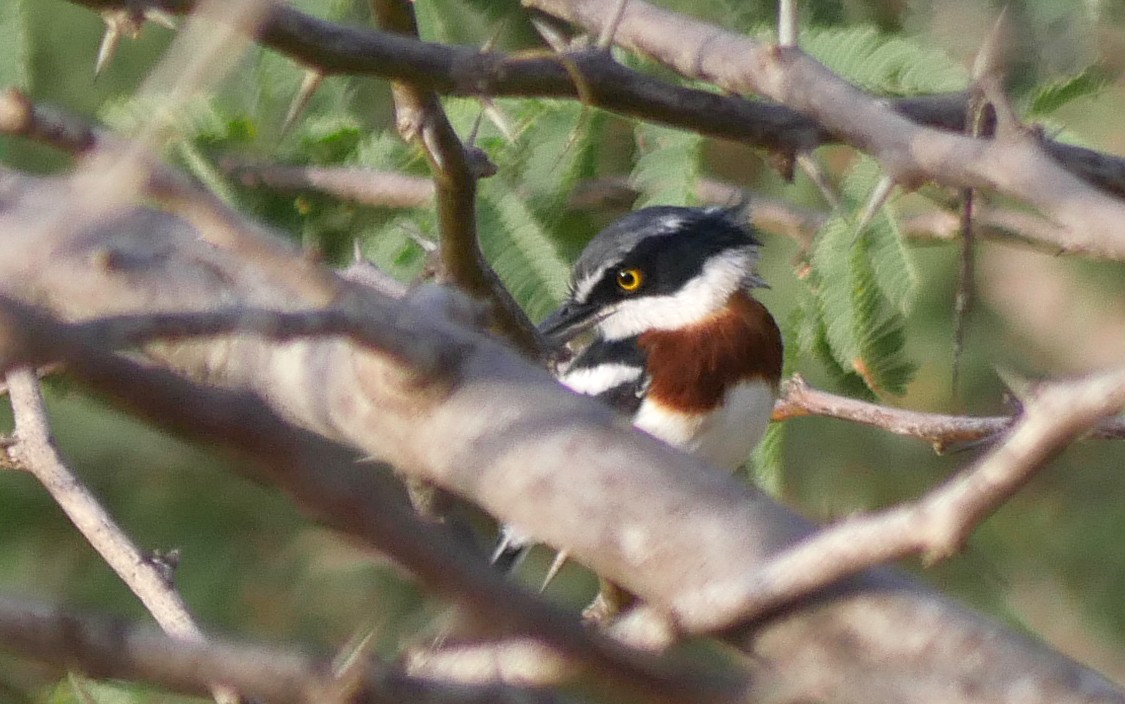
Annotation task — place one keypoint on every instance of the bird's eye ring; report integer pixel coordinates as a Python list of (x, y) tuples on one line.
[(630, 280)]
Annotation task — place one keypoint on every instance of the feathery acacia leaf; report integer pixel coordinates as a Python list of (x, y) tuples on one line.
[(520, 250), (882, 63), (668, 167), (15, 49), (1048, 98), (862, 284)]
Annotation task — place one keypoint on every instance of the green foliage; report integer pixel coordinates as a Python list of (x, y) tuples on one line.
[(520, 249), (884, 64), (767, 468), (1049, 97), (862, 283), (15, 48), (80, 690), (668, 167)]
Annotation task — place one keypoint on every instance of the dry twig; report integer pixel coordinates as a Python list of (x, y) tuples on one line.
[(34, 450), (936, 526), (111, 649)]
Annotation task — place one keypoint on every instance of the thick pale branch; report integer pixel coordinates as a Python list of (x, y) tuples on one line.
[(505, 435), (358, 500)]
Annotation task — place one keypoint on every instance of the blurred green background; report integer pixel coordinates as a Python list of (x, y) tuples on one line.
[(1051, 561)]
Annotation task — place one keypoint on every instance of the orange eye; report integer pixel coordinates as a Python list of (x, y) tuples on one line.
[(630, 280)]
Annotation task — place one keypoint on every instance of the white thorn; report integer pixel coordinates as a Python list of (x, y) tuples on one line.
[(605, 41), (560, 560), (309, 84), (816, 174), (877, 200), (787, 23), (497, 117)]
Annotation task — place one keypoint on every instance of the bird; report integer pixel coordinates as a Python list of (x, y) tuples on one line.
[(666, 331)]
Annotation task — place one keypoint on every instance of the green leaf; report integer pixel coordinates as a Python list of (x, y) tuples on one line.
[(520, 249), (15, 49), (895, 272), (668, 167), (833, 286), (392, 245), (1048, 98), (884, 64), (561, 150), (766, 463), (330, 139), (863, 283)]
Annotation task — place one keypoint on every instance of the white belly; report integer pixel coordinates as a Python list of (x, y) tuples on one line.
[(723, 438)]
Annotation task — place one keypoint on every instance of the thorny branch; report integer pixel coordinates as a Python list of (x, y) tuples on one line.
[(799, 399), (938, 525), (455, 169), (34, 450), (1015, 164), (603, 83), (326, 482)]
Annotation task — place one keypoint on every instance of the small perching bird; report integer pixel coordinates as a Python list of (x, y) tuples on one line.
[(672, 337)]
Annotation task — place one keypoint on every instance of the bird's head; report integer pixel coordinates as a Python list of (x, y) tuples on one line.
[(658, 268)]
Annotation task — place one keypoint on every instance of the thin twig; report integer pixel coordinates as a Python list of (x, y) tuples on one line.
[(1016, 165), (937, 525), (798, 400), (382, 189), (35, 451), (111, 649)]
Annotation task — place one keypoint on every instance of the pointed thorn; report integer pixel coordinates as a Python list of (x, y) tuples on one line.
[(309, 84), (812, 169), (497, 117), (554, 38), (501, 547), (110, 40), (560, 559), (989, 58), (605, 41), (787, 23), (160, 17), (875, 203)]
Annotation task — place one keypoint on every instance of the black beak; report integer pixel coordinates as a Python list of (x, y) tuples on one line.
[(567, 322)]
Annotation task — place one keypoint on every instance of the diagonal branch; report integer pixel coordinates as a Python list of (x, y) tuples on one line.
[(936, 526), (798, 399), (326, 482), (35, 451)]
